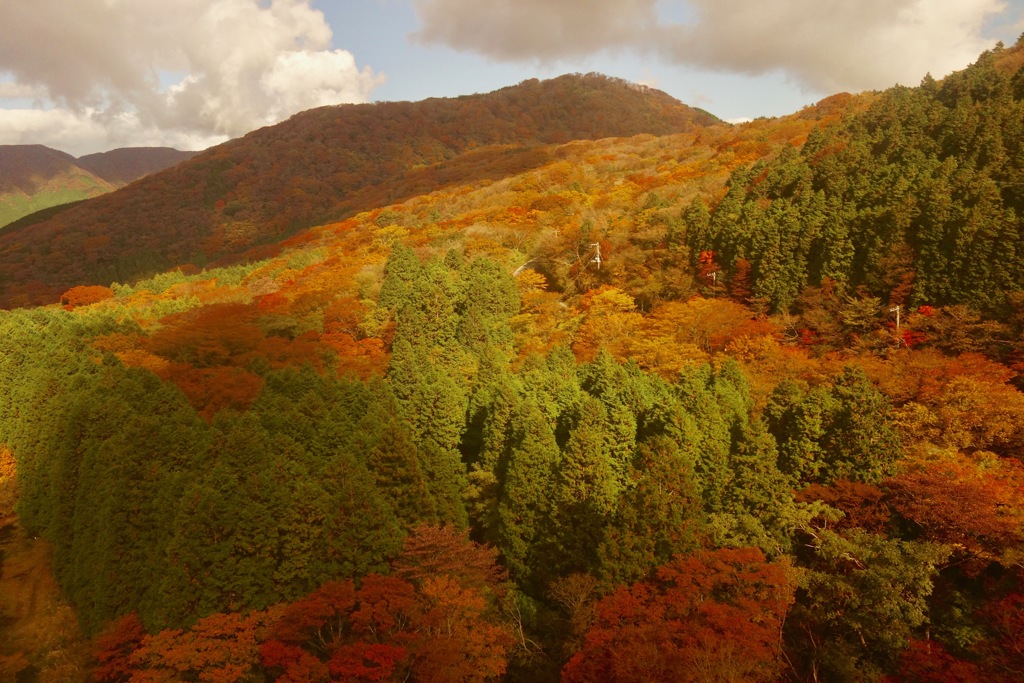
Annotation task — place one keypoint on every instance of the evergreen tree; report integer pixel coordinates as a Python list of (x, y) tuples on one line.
[(360, 531), (841, 432), (709, 432), (586, 489), (383, 443), (657, 517), (525, 510), (222, 547), (394, 464), (403, 275), (861, 442), (491, 300), (434, 405), (758, 509)]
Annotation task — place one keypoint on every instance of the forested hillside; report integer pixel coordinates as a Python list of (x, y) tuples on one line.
[(319, 165), (916, 200), (710, 403)]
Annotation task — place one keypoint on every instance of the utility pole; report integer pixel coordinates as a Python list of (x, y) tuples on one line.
[(896, 310), (714, 283)]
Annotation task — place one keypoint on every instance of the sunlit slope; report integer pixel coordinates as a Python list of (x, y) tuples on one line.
[(278, 180)]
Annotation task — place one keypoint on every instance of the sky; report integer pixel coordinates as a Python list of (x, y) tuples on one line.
[(92, 75)]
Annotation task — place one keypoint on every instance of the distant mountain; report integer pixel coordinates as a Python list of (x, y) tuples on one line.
[(319, 165), (124, 165), (23, 167), (36, 177)]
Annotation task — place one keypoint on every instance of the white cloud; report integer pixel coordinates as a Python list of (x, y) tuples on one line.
[(59, 127), (302, 79), (83, 132), (823, 45), (245, 64), (535, 29), (831, 45)]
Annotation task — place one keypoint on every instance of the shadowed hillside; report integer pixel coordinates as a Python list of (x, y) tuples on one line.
[(24, 167), (122, 166)]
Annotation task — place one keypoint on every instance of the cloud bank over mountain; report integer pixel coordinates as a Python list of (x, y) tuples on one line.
[(826, 45), (188, 72)]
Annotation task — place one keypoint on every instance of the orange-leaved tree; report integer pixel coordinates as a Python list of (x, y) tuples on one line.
[(84, 295), (977, 508), (218, 648)]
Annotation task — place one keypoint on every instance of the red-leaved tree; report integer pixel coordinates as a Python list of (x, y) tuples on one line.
[(711, 616)]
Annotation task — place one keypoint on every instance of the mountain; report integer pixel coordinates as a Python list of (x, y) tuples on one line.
[(319, 165), (35, 177), (23, 166), (124, 165)]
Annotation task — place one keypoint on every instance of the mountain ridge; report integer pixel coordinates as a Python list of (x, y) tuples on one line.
[(22, 165), (280, 179), (126, 164)]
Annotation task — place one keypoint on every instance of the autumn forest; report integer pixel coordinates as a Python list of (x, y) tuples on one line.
[(566, 382)]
